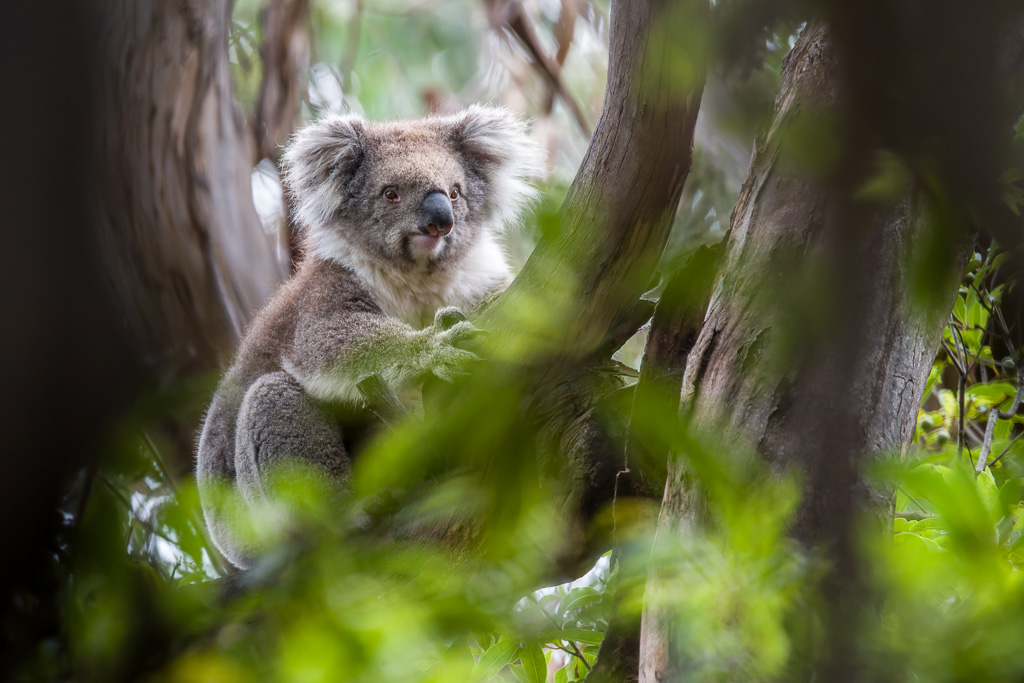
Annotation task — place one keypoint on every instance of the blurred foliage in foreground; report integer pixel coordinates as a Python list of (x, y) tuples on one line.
[(444, 564), (376, 589)]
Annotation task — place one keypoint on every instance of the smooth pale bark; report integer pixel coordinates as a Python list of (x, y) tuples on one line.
[(183, 248), (811, 351)]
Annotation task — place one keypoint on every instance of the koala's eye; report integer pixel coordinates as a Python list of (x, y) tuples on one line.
[(454, 194), (391, 195)]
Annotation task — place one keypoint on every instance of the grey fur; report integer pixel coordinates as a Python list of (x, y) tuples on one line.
[(358, 303)]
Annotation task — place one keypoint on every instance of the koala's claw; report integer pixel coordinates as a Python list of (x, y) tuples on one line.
[(451, 331), (451, 363), (459, 333)]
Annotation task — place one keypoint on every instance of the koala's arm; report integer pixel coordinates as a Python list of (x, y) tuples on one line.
[(330, 358)]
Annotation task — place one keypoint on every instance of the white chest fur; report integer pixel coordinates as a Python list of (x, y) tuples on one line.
[(413, 296)]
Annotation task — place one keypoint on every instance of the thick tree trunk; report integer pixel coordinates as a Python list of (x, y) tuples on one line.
[(183, 247), (812, 350)]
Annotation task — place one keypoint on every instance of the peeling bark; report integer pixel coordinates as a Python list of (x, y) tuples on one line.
[(182, 246)]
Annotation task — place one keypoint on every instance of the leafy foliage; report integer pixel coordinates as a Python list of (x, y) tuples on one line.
[(439, 565)]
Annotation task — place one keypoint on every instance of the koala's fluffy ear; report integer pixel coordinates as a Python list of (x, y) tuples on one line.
[(495, 146), (319, 162)]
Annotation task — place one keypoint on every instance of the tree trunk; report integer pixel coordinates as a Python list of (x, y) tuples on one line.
[(775, 357), (814, 351), (182, 245), (62, 360), (806, 392), (582, 284)]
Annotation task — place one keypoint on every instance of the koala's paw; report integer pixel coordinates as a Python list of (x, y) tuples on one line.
[(448, 360), (448, 317)]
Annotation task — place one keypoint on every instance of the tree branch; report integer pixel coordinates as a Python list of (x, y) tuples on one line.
[(619, 209)]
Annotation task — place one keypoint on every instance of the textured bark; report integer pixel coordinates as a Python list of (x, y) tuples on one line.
[(785, 224), (182, 245), (810, 351), (675, 326)]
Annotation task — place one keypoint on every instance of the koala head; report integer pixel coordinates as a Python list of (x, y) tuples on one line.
[(415, 193)]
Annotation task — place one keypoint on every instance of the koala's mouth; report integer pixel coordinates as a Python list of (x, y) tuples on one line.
[(425, 245)]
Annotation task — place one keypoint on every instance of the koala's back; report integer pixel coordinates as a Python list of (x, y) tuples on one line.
[(321, 294), (319, 291)]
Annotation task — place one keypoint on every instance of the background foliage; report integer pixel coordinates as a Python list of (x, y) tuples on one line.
[(368, 594)]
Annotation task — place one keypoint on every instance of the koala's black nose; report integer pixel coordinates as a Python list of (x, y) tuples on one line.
[(436, 218)]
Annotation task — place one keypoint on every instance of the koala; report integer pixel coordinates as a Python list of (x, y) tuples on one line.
[(399, 221)]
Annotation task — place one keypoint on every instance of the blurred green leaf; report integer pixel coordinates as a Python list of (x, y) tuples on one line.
[(534, 665), (497, 657)]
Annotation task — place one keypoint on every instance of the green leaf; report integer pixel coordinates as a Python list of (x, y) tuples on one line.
[(575, 635), (930, 523), (519, 672), (900, 525), (497, 657), (534, 665), (550, 597), (989, 493), (915, 543), (577, 598), (960, 309), (991, 393), (1002, 430)]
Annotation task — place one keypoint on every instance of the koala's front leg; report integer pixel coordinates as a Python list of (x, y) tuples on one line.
[(330, 360)]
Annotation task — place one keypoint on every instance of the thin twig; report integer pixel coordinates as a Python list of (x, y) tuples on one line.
[(994, 414), (146, 524), (912, 499), (576, 650), (912, 515), (961, 389), (964, 351), (1005, 450), (953, 356), (961, 385), (198, 526)]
